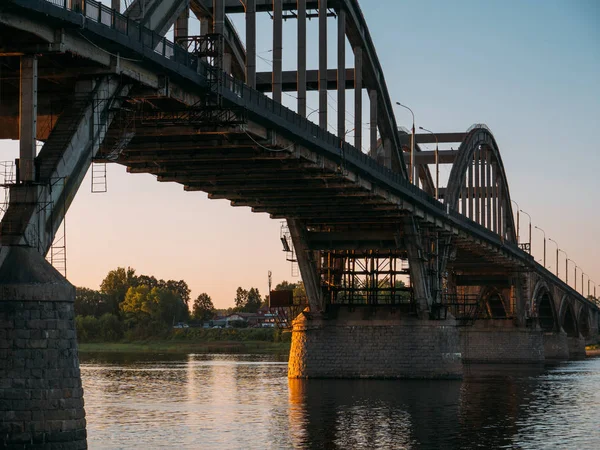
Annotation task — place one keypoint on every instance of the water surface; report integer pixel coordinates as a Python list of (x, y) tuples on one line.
[(247, 402)]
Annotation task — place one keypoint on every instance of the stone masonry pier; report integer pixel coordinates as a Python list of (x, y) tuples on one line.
[(41, 398), (373, 343)]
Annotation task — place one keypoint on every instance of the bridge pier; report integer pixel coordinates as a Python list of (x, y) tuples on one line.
[(576, 345), (556, 346), (365, 342), (500, 342), (41, 398)]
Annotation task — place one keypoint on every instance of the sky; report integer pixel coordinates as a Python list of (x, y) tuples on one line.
[(530, 70)]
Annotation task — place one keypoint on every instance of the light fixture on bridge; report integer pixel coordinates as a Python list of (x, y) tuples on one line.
[(437, 163), (412, 177)]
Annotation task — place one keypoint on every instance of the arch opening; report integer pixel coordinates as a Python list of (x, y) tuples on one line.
[(546, 313), (569, 324), (584, 323), (496, 306)]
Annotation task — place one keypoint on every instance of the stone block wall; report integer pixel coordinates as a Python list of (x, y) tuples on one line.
[(576, 347), (41, 397), (382, 346), (503, 344), (556, 347)]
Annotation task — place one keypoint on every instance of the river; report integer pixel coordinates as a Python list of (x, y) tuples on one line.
[(247, 402)]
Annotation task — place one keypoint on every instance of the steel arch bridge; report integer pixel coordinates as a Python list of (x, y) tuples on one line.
[(97, 84)]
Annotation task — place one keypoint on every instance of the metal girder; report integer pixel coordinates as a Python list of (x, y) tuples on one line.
[(427, 138), (156, 15), (428, 157), (36, 211), (264, 80)]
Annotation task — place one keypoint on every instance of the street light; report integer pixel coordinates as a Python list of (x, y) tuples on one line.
[(594, 283), (437, 163), (538, 228), (566, 266), (575, 273), (529, 229), (412, 145), (552, 240), (517, 220), (582, 274)]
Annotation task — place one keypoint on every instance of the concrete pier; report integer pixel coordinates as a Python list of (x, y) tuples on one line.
[(375, 343), (41, 398)]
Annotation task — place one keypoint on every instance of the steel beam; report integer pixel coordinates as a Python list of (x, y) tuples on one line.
[(28, 118), (323, 64), (358, 91), (277, 49), (251, 43), (373, 124), (301, 79), (341, 72), (181, 29), (290, 80), (307, 262)]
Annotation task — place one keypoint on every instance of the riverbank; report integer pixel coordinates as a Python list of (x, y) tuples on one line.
[(186, 347)]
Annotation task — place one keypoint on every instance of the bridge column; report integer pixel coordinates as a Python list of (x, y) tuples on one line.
[(251, 43), (116, 5), (358, 88), (182, 25), (28, 118), (373, 124), (277, 49), (302, 58), (323, 64), (40, 382), (341, 81), (308, 266)]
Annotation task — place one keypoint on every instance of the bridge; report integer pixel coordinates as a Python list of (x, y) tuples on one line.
[(97, 84)]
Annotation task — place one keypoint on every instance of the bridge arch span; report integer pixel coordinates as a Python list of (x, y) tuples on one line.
[(478, 187), (568, 318), (583, 322), (544, 307), (494, 303)]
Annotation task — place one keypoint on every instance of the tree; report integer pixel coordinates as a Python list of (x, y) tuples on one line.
[(116, 284), (286, 286), (143, 304), (254, 301), (180, 288), (89, 302), (241, 298), (204, 310)]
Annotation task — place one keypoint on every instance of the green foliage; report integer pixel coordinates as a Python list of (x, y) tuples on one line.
[(89, 302), (107, 328), (115, 286), (225, 334), (286, 286), (143, 304), (247, 301), (203, 309)]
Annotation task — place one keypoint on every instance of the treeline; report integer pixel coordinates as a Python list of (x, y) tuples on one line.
[(132, 307)]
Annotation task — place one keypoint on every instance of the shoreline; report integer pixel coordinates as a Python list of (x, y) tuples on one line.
[(186, 347)]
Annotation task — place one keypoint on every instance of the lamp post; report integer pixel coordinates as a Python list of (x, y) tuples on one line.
[(566, 266), (437, 163), (582, 274), (517, 220), (538, 228), (575, 273), (529, 229), (594, 283), (412, 145), (552, 240)]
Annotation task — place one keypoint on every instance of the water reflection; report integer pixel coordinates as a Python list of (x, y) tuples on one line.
[(246, 402)]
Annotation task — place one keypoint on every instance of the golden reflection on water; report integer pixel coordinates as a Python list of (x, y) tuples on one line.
[(247, 402)]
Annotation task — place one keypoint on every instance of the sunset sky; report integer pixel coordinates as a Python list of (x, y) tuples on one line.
[(529, 70)]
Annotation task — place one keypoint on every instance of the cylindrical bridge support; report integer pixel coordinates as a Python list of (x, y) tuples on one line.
[(358, 87), (341, 81)]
